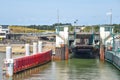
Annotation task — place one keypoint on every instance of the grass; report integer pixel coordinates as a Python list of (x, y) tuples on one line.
[(21, 29)]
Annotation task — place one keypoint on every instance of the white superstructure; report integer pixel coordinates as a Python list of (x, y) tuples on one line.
[(4, 30), (105, 33), (62, 35)]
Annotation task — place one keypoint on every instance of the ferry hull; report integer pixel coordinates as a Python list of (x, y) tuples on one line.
[(85, 52)]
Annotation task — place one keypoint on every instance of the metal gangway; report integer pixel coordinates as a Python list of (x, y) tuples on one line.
[(112, 49)]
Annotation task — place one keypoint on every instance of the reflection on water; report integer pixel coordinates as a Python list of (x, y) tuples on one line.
[(28, 73), (74, 69), (2, 57), (1, 76)]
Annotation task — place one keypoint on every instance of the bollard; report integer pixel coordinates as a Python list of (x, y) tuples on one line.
[(9, 61), (40, 46), (34, 48), (8, 52), (9, 69), (27, 50)]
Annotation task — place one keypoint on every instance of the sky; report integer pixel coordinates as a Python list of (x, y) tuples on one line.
[(45, 12)]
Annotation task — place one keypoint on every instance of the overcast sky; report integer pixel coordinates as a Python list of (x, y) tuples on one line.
[(87, 12)]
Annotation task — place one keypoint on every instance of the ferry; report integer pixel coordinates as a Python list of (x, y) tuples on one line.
[(85, 45)]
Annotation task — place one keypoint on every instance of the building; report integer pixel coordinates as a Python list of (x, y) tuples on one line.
[(106, 33), (4, 30), (62, 34)]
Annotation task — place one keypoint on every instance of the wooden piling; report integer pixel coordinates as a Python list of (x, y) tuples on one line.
[(66, 52), (102, 53), (61, 53)]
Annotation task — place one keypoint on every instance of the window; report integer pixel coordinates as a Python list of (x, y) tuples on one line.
[(108, 28), (2, 34), (61, 28), (4, 27)]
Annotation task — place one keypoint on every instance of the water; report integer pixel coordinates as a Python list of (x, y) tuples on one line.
[(2, 57), (73, 69)]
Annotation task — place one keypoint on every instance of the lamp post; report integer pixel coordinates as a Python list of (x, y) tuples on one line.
[(111, 16), (111, 31), (75, 22)]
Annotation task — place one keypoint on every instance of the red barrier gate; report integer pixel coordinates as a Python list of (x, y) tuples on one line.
[(27, 62)]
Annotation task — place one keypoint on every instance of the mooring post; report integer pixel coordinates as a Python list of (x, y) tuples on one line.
[(9, 67), (102, 52), (40, 46), (34, 47), (27, 49), (9, 61), (66, 53), (8, 52)]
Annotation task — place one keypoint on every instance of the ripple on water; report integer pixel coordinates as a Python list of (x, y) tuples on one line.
[(74, 69)]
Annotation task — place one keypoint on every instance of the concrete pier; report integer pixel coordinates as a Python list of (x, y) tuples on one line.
[(8, 52), (9, 69), (40, 46), (35, 48), (9, 61), (27, 49)]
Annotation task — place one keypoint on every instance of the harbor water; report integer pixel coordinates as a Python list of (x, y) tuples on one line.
[(73, 69)]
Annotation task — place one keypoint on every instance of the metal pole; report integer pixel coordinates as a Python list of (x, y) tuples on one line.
[(58, 15), (93, 35), (74, 31), (111, 30), (75, 22), (111, 16), (113, 42)]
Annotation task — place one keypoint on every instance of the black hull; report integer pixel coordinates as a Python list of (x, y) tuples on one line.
[(83, 54)]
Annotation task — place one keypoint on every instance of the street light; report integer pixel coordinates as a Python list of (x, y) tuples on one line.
[(110, 14), (75, 22)]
